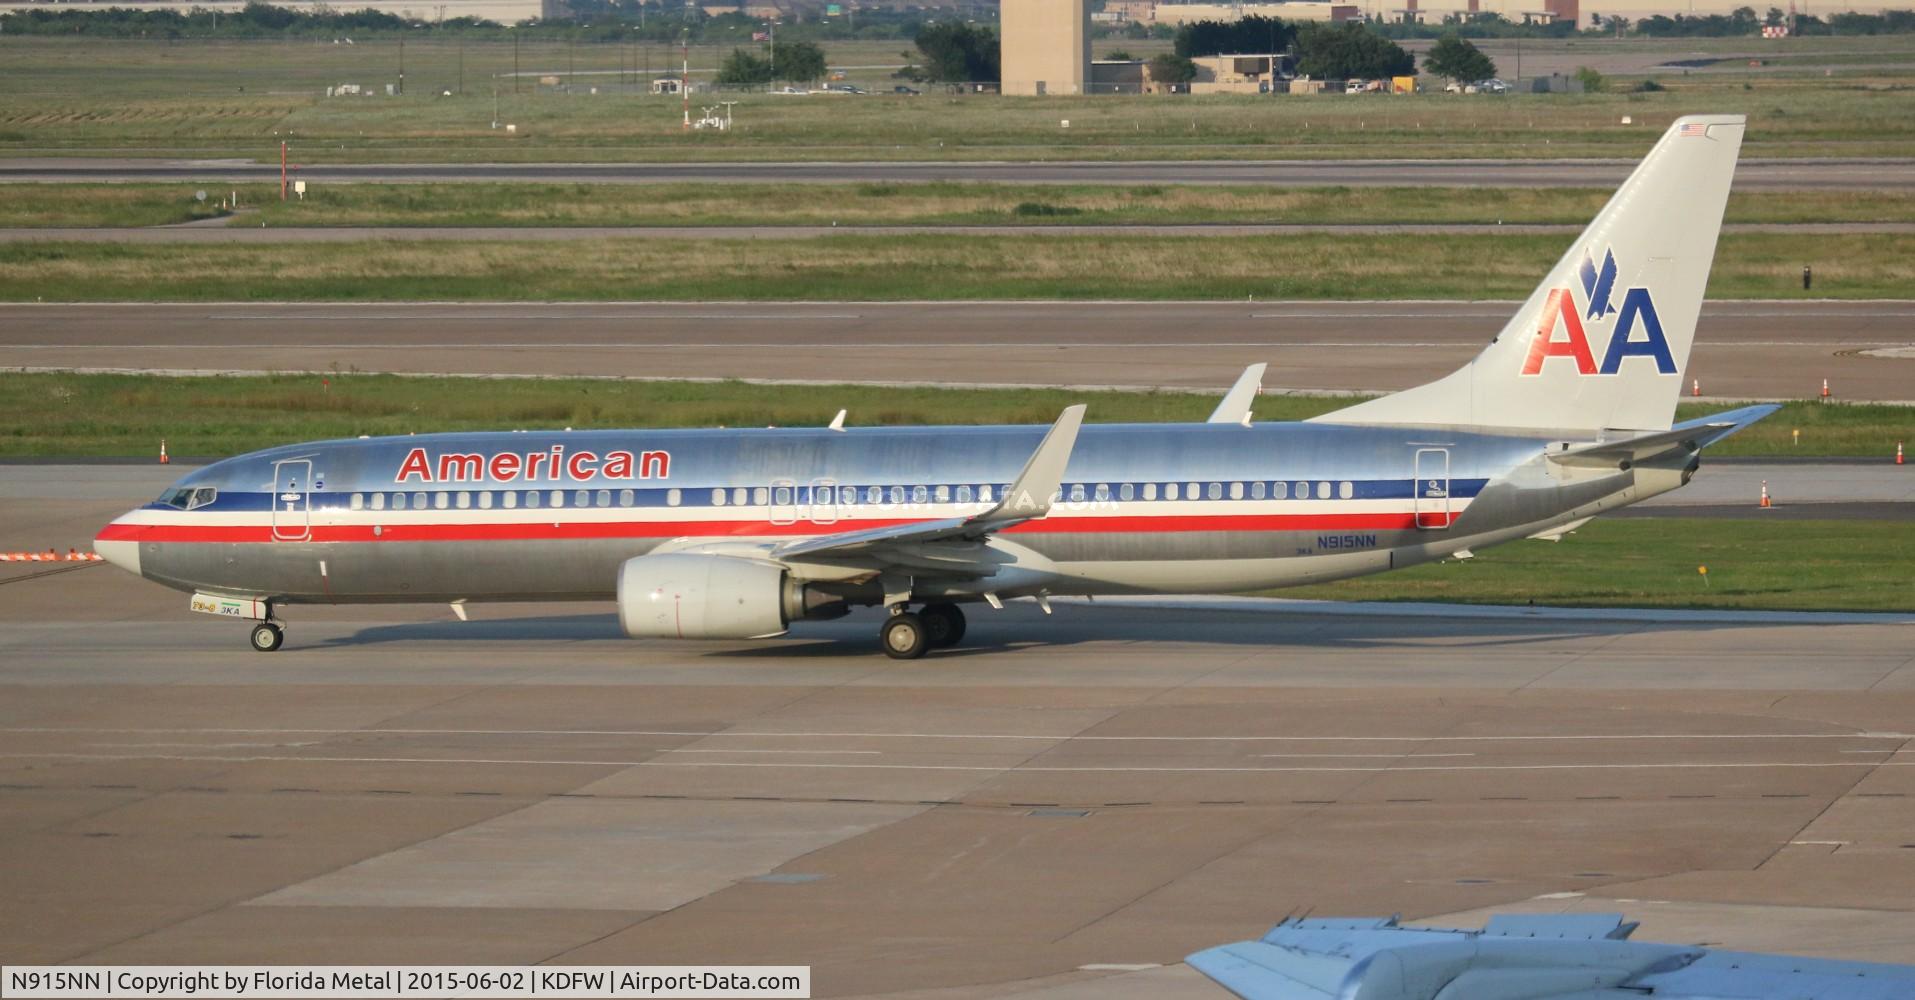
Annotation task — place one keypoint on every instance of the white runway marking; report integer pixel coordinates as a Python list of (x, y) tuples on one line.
[(1385, 756), (769, 734), (805, 752), (993, 769)]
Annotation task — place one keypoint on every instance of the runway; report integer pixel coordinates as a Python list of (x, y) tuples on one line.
[(1756, 174), (1744, 349)]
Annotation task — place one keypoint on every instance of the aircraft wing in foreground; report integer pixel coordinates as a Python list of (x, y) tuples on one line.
[(1584, 956)]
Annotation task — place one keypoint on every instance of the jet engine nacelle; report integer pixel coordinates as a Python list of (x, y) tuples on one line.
[(692, 596)]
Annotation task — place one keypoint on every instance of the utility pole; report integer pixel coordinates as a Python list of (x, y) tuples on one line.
[(685, 75), (402, 65), (515, 60)]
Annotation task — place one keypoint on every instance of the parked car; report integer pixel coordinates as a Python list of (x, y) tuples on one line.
[(1492, 86), (913, 91)]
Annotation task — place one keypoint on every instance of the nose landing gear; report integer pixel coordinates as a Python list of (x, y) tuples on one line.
[(268, 637)]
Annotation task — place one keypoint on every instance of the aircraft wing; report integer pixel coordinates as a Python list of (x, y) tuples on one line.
[(1690, 435), (1582, 956), (1029, 497), (1235, 407)]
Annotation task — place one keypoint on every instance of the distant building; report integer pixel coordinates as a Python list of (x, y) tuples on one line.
[(502, 11), (1242, 74), (1140, 11), (1045, 47)]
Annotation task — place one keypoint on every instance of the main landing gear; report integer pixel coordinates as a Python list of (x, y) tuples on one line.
[(908, 635)]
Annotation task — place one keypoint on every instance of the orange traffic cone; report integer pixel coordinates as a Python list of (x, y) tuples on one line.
[(1825, 390), (1898, 453), (72, 554), (1695, 388), (1766, 502), (163, 459)]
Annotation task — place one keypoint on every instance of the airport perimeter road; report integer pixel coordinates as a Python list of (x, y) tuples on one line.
[(1117, 784), (1744, 349), (1751, 174)]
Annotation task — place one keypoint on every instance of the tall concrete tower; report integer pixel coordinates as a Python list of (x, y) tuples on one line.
[(1046, 46)]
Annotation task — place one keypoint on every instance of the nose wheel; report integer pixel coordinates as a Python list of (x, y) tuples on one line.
[(268, 637)]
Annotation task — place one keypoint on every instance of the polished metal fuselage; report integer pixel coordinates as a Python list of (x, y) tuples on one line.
[(1143, 509)]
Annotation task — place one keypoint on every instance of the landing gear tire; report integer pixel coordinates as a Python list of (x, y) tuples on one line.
[(268, 637), (904, 636), (943, 624)]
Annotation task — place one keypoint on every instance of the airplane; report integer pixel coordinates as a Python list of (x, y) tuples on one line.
[(1520, 956), (737, 533)]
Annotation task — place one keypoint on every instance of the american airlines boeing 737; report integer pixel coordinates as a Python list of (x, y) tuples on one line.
[(735, 534)]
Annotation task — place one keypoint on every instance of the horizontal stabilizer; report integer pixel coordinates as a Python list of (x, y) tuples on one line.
[(1688, 436)]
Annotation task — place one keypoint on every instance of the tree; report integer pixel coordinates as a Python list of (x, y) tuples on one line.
[(1171, 68), (956, 52), (1593, 81), (1349, 51), (797, 61), (1253, 34), (1457, 59), (742, 68)]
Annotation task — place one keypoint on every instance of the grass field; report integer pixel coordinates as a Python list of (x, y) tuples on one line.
[(1772, 565), (936, 203), (907, 267), (124, 415), (95, 97)]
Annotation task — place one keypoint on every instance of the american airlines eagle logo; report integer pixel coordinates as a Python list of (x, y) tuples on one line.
[(1561, 331)]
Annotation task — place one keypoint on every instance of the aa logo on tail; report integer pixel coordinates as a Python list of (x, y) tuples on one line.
[(1637, 331)]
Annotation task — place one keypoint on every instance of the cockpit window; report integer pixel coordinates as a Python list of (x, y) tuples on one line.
[(189, 498)]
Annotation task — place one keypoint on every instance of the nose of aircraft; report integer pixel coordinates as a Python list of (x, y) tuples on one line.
[(118, 543)]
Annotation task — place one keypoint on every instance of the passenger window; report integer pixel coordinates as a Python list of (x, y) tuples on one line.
[(398, 501), (625, 498), (897, 495), (848, 495), (1150, 491), (581, 498), (965, 494), (532, 498), (558, 498), (672, 497), (1214, 492), (1323, 491), (718, 497), (602, 499), (984, 494), (1077, 492), (1303, 491), (1256, 490), (1102, 494), (509, 498), (358, 502), (441, 501), (1279, 491), (759, 495), (418, 501), (1236, 491), (462, 500), (1191, 492), (485, 500), (739, 495), (1128, 491), (1346, 489), (781, 495), (942, 494), (920, 495), (378, 501), (1170, 491), (874, 494)]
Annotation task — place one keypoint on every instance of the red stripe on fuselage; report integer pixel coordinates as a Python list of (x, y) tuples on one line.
[(549, 531)]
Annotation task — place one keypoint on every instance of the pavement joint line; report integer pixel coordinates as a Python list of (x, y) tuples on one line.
[(1488, 738), (992, 769)]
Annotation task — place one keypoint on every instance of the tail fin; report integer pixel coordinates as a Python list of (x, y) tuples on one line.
[(1603, 341)]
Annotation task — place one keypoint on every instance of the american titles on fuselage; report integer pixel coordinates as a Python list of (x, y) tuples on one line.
[(1638, 309), (549, 464)]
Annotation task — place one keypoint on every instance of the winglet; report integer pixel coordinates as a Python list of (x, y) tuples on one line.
[(837, 422), (1030, 496), (1235, 408)]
